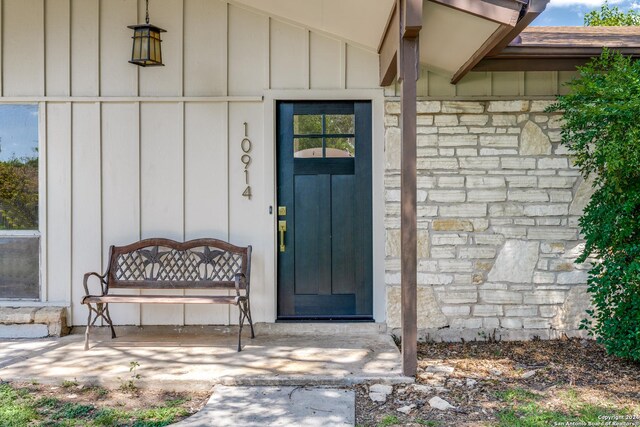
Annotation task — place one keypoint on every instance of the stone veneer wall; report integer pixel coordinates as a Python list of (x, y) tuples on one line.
[(498, 209)]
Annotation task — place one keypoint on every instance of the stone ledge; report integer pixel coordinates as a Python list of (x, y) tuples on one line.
[(488, 334), (33, 322)]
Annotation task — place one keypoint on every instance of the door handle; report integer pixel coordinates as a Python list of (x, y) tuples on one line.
[(282, 227)]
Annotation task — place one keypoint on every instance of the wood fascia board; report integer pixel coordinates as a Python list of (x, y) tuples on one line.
[(534, 9), (544, 58), (487, 46), (388, 49), (558, 51), (503, 12)]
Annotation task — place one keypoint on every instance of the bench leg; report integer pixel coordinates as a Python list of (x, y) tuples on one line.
[(247, 308), (241, 317), (108, 317), (86, 333), (100, 310)]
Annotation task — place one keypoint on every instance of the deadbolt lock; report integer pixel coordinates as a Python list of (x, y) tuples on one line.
[(282, 210)]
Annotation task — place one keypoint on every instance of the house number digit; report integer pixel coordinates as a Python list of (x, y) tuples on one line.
[(246, 146)]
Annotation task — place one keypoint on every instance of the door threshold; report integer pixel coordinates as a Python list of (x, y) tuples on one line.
[(311, 327), (325, 320)]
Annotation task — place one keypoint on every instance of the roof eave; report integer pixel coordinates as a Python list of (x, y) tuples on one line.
[(511, 25), (507, 13)]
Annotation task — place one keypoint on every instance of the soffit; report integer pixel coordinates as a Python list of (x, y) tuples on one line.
[(449, 37), (358, 21)]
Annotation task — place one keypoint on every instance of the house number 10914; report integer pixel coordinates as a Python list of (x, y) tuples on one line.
[(246, 146)]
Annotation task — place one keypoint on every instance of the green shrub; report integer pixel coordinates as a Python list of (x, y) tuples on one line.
[(602, 133)]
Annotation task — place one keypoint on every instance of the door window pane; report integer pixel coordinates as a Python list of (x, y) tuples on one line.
[(340, 147), (307, 124), (328, 135), (307, 147), (340, 124)]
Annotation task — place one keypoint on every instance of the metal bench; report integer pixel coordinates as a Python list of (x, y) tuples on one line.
[(161, 264)]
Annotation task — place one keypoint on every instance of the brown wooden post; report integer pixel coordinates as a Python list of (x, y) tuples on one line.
[(410, 23)]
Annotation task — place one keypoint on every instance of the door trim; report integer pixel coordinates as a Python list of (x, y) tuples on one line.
[(376, 97)]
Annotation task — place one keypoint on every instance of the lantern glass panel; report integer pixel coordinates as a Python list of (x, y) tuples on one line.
[(136, 47), (158, 55), (144, 50), (152, 50)]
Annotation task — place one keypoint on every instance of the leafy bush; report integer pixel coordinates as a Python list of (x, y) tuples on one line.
[(602, 132), (611, 16)]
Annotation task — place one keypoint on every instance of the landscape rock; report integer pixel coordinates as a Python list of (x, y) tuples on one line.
[(528, 374), (471, 382), (495, 372), (432, 380), (378, 397), (439, 403), (406, 409), (441, 369), (420, 388), (381, 388)]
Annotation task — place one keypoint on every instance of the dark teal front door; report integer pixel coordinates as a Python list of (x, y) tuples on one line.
[(324, 203)]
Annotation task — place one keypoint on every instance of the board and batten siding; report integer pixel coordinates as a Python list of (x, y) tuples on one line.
[(129, 153), (483, 85)]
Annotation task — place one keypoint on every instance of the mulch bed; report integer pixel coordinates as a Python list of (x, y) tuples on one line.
[(484, 372)]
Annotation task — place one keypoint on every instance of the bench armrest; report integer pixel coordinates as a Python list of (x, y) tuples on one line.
[(103, 283), (241, 278)]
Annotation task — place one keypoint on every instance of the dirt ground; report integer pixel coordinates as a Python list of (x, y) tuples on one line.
[(533, 383), (128, 400), (74, 404)]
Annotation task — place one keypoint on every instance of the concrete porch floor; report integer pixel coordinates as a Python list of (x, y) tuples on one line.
[(190, 358)]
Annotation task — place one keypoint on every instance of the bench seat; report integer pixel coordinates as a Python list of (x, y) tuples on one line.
[(164, 299)]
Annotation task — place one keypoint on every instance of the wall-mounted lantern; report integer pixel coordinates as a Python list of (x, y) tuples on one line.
[(147, 50)]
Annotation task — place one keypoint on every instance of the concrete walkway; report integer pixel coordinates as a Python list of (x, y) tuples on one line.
[(276, 406), (198, 358)]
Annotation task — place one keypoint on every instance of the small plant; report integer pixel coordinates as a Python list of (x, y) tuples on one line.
[(101, 391), (389, 420), (430, 423), (131, 385), (69, 384)]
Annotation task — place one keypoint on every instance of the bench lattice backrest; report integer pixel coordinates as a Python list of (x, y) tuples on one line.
[(164, 263)]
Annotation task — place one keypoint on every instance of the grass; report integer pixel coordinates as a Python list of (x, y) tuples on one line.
[(16, 407), (430, 423), (525, 409), (389, 420), (20, 407)]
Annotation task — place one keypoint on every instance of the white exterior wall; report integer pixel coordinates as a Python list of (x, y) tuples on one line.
[(129, 153)]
